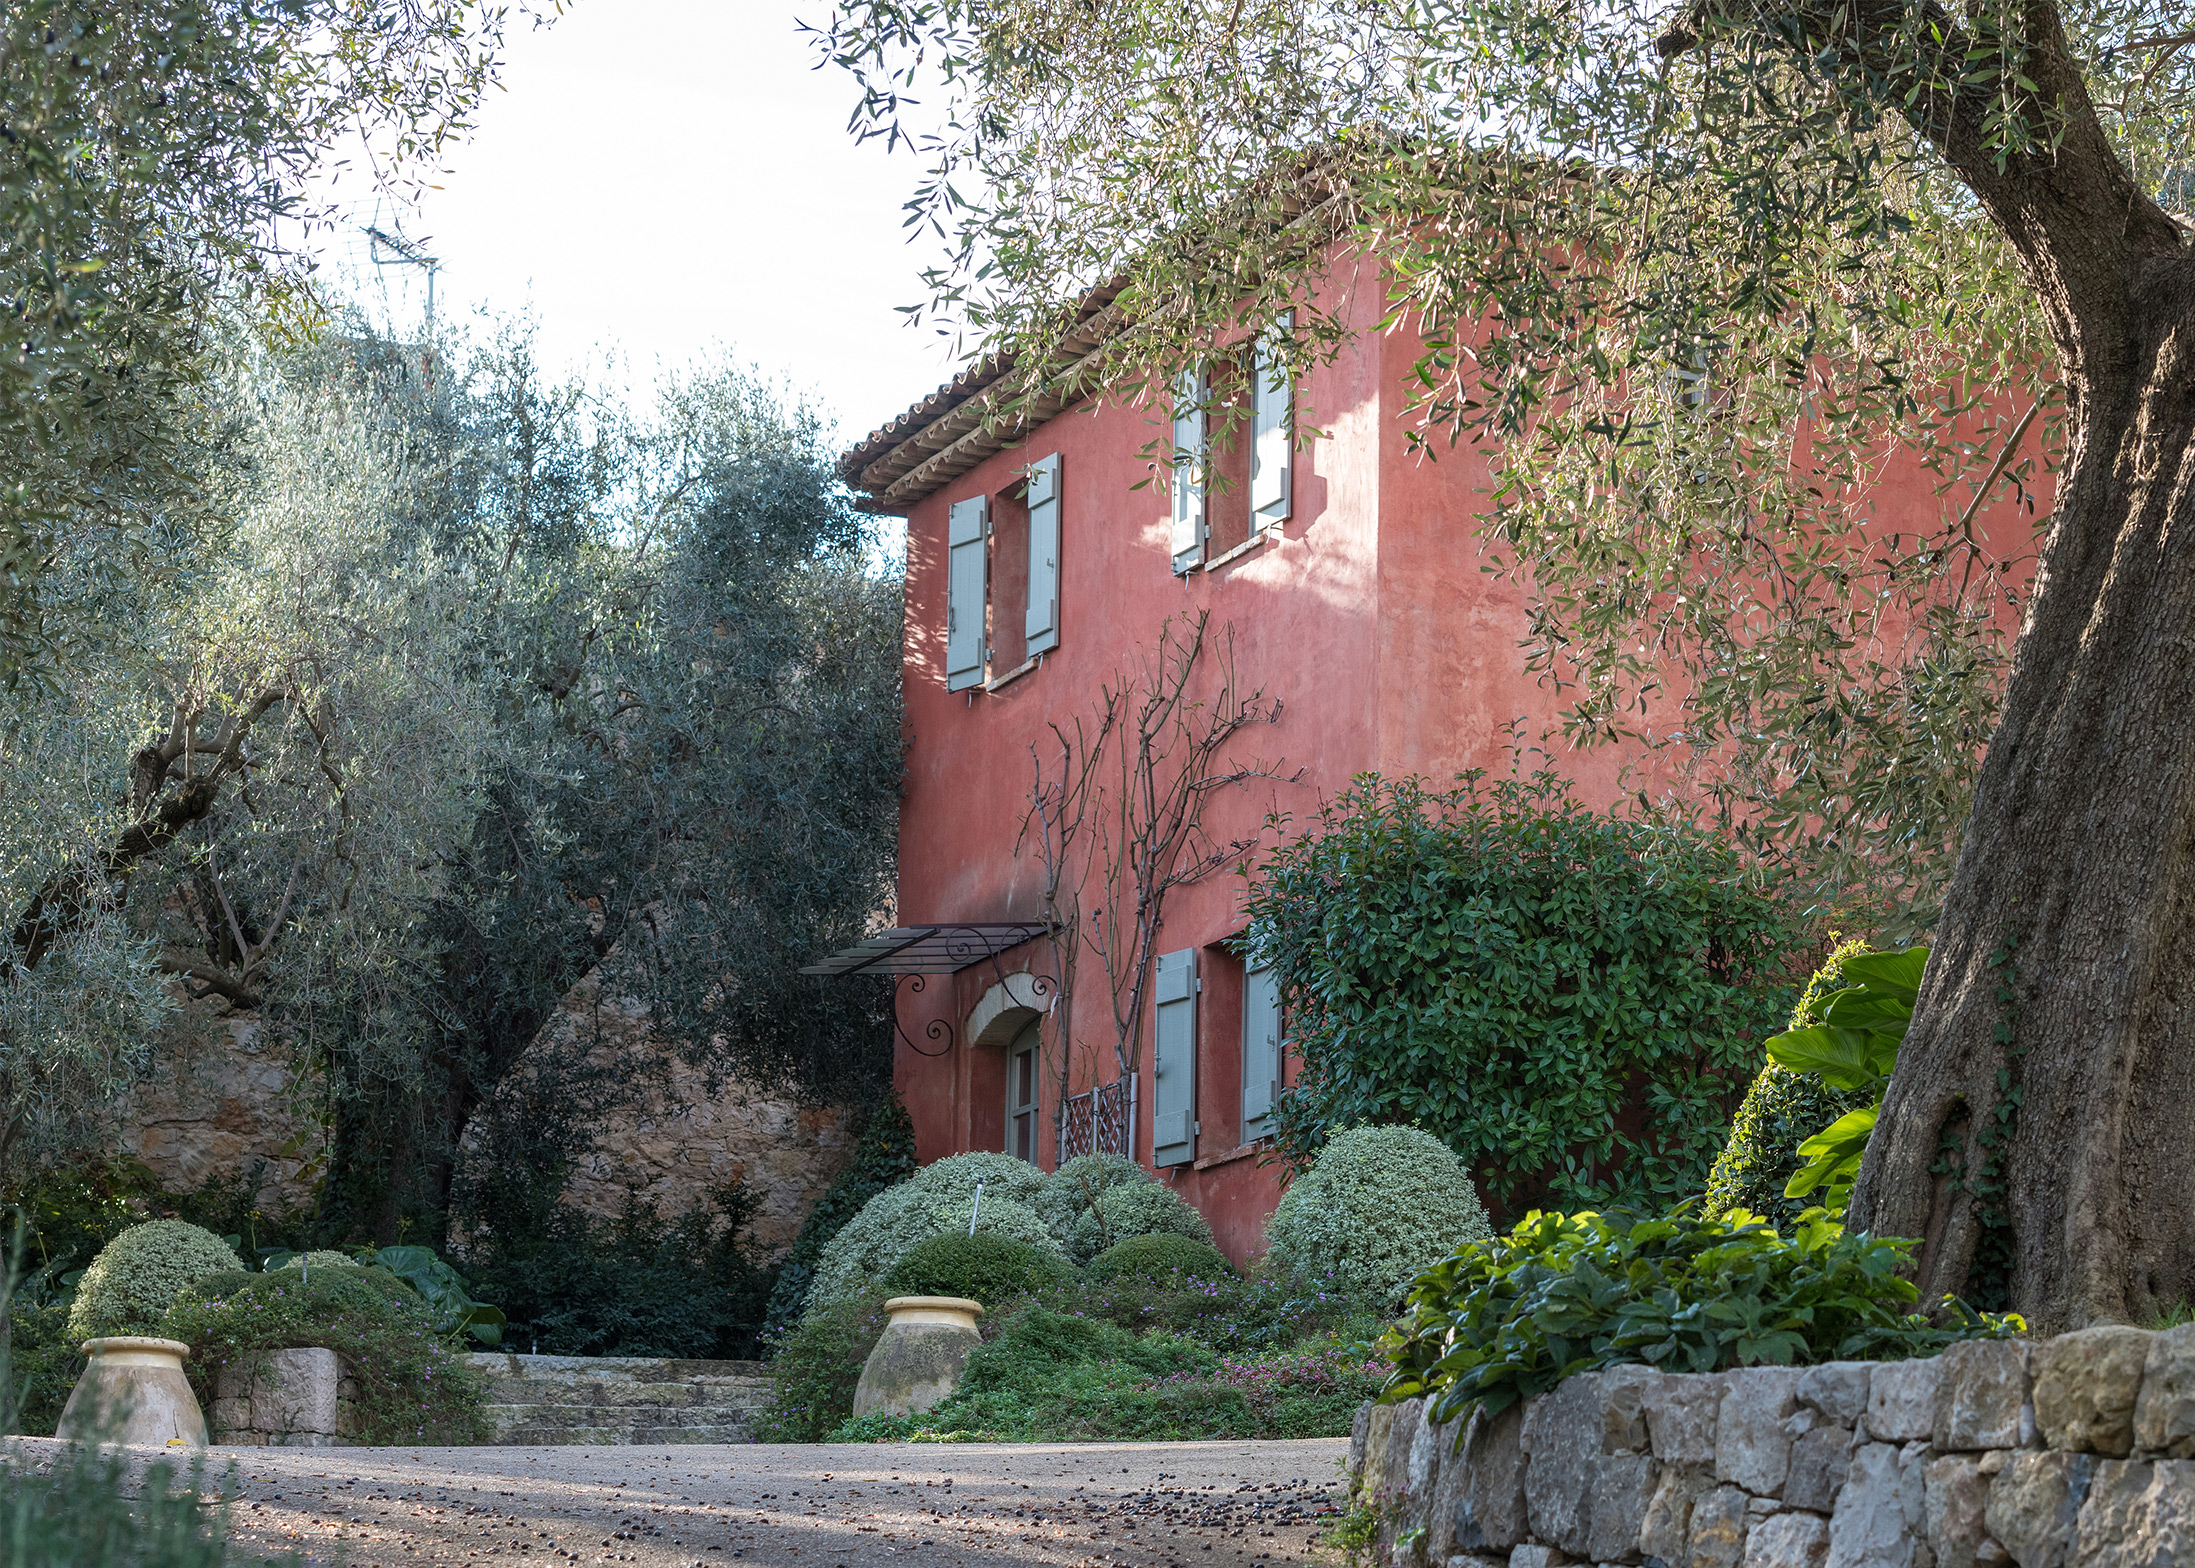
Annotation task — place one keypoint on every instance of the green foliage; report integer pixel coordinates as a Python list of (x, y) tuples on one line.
[(136, 1276), (1069, 1191), (1157, 1256), (314, 1260), (44, 1359), (1136, 1209), (1780, 1111), (1377, 1207), (985, 1267), (88, 1506), (642, 1284), (442, 1288), (1048, 1376), (998, 1216), (815, 1366), (889, 1224), (414, 1385), (1563, 996), (884, 1156), (1508, 1318), (1853, 1048)]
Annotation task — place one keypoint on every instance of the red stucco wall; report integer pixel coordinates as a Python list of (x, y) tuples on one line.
[(1371, 619)]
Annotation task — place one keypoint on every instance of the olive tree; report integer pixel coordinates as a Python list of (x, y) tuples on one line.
[(1695, 272)]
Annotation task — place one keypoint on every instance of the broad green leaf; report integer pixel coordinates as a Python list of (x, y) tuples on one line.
[(1892, 974), (1843, 1058)]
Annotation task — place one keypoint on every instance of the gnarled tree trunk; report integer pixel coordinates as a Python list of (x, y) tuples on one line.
[(2053, 1047)]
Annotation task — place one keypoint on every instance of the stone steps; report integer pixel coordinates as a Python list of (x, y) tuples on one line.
[(620, 1399)]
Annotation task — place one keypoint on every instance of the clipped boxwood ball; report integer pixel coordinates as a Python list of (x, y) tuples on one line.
[(985, 1267), (1378, 1207), (1136, 1209), (890, 1223), (1153, 1257), (321, 1260), (137, 1276), (1069, 1191)]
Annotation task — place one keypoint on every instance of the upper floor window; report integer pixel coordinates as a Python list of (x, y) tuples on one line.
[(1254, 465), (1002, 577)]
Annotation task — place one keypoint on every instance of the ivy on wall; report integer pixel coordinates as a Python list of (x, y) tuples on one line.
[(1571, 999)]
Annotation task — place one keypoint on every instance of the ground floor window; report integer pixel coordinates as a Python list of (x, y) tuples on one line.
[(1022, 1080)]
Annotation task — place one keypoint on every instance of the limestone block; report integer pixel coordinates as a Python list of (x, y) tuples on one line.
[(1402, 1437), (1666, 1531), (2035, 1504), (1788, 1540), (1444, 1501), (1420, 1470), (295, 1392), (2164, 1413), (1881, 1507), (1956, 1493), (1752, 1447), (1901, 1400), (1490, 1513), (1717, 1538), (1624, 1395), (2139, 1515), (1539, 1557), (2085, 1388), (1837, 1390), (1680, 1411), (1359, 1429), (1623, 1486), (1479, 1560), (1979, 1396), (1819, 1461), (1562, 1446), (1375, 1449)]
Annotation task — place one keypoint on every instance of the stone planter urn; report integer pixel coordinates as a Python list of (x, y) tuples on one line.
[(134, 1391), (919, 1359)]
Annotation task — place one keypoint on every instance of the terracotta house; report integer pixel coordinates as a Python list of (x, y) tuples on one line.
[(1344, 573)]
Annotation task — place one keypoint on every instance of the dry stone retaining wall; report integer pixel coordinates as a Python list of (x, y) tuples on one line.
[(2075, 1452)]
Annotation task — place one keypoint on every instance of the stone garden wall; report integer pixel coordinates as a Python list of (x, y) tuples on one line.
[(2075, 1452)]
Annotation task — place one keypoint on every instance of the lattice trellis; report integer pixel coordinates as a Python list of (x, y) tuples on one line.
[(1099, 1121)]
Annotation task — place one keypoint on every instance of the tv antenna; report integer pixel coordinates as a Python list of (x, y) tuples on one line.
[(389, 248)]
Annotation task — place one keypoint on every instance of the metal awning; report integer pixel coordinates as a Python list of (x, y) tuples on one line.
[(928, 950)]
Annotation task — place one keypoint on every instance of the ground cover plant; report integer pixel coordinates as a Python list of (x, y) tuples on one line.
[(1511, 1317), (413, 1383), (1571, 999)]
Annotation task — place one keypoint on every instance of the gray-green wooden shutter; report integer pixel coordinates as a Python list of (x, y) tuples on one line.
[(1188, 527), (1272, 450), (1260, 1052), (1174, 1061), (965, 571), (1042, 625)]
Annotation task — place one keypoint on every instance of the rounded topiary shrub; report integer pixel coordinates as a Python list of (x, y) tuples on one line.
[(321, 1260), (1154, 1257), (1069, 1191), (999, 1217), (985, 1267), (869, 1244), (136, 1277), (1127, 1211), (1378, 1207), (1781, 1110)]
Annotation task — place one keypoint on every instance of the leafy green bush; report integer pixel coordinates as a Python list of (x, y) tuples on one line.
[(87, 1506), (1049, 1376), (1132, 1210), (414, 1385), (45, 1359), (1377, 1207), (442, 1288), (1781, 1110), (884, 1156), (313, 1260), (998, 1217), (1569, 999), (890, 1223), (985, 1267), (1854, 1048), (815, 1366), (1156, 1256), (1068, 1192), (1508, 1318), (638, 1285), (136, 1276)]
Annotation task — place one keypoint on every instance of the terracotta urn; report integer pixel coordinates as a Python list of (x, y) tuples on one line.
[(919, 1360), (134, 1391)]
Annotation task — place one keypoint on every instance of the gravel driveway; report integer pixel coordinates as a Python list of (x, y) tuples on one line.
[(1081, 1505)]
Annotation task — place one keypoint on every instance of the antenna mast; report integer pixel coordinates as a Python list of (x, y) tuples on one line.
[(402, 252)]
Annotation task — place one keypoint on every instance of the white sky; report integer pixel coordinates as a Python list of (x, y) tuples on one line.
[(660, 176)]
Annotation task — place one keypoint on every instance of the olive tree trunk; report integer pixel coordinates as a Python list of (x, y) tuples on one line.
[(2039, 1133)]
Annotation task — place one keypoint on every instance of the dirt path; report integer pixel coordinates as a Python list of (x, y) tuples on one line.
[(1096, 1505)]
